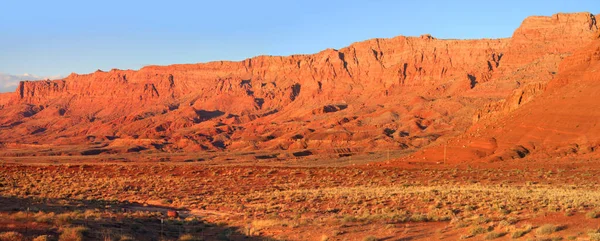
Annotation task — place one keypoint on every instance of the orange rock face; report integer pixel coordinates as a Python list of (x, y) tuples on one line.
[(398, 93)]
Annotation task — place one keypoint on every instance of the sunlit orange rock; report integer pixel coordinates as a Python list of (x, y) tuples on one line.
[(379, 94)]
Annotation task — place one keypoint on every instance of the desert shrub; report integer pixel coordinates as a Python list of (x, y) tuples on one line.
[(43, 238), (512, 220), (189, 237), (73, 234), (548, 229), (478, 230), (593, 214), (42, 217), (594, 235), (349, 219), (494, 235), (519, 233), (11, 236), (460, 224), (63, 219), (262, 224), (481, 220), (465, 236), (125, 237), (370, 238), (21, 216), (504, 223), (419, 218)]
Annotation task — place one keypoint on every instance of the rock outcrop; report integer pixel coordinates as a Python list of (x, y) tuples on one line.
[(533, 56), (551, 120)]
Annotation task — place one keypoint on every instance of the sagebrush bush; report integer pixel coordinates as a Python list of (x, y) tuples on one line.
[(547, 229)]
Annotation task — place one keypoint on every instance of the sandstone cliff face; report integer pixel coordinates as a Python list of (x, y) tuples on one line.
[(403, 92), (560, 120), (516, 99), (5, 98), (533, 56), (379, 64), (539, 36), (563, 119)]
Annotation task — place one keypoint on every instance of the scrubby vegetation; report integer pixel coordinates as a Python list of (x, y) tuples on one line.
[(255, 201)]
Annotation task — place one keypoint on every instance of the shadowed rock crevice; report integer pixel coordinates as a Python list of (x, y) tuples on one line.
[(302, 153), (342, 57), (472, 80), (204, 115), (334, 108), (295, 91)]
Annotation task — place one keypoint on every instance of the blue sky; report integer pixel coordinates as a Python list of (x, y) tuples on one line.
[(49, 38)]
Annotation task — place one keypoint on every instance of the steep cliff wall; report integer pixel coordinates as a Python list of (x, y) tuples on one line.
[(402, 92), (540, 35), (533, 56), (378, 64)]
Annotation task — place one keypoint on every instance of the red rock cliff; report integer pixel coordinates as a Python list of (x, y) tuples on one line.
[(401, 92)]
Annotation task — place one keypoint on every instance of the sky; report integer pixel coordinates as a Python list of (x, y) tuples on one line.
[(46, 39)]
